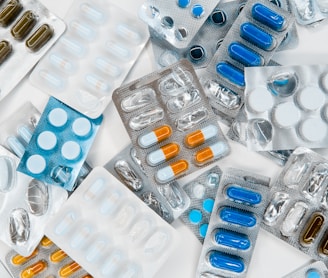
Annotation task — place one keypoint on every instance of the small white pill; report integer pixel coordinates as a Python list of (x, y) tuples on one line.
[(313, 129), (47, 140), (286, 115), (57, 117), (70, 150), (83, 30), (53, 80), (260, 100), (36, 164), (311, 98), (81, 127)]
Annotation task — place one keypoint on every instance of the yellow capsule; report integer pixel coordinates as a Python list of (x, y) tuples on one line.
[(24, 25), (46, 242), (9, 13), (87, 276), (5, 50), (58, 256), (34, 269), (39, 38), (69, 269), (19, 260)]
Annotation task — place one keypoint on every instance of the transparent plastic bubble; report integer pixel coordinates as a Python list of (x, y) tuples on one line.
[(293, 219), (168, 58), (183, 101), (323, 5), (223, 95), (128, 175), (176, 82), (191, 119), (282, 155), (297, 169), (213, 180), (304, 8), (261, 131), (136, 159), (324, 198), (150, 199), (276, 208), (8, 173), (173, 195), (283, 84), (139, 99), (146, 118), (19, 226), (37, 197), (318, 179), (61, 174)]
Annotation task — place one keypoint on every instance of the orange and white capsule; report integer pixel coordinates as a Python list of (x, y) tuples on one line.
[(19, 260), (87, 276), (34, 269), (211, 152), (157, 135), (163, 154), (58, 256), (69, 269), (170, 172), (198, 137), (46, 242)]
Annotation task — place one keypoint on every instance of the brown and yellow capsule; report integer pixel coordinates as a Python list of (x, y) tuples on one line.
[(10, 12), (34, 269), (24, 25), (312, 229), (19, 260), (5, 50), (39, 38), (46, 242)]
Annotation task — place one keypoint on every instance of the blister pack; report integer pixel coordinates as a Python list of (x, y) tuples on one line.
[(59, 145), (176, 21), (287, 107), (170, 123), (298, 204), (169, 201), (27, 31), (202, 192), (311, 270), (251, 41), (93, 57), (106, 228), (26, 206), (309, 11), (46, 261), (234, 224), (210, 36)]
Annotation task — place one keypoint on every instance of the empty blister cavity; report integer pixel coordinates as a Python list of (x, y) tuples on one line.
[(318, 180), (37, 197), (276, 208), (8, 174), (293, 219), (19, 226), (146, 118), (174, 195), (138, 100), (128, 175), (261, 131), (183, 100), (191, 119), (299, 167), (305, 9)]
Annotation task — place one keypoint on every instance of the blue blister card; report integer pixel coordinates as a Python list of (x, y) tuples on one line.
[(59, 145)]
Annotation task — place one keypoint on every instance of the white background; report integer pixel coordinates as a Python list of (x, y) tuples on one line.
[(272, 257)]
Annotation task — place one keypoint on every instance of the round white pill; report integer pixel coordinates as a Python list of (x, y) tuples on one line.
[(313, 129), (81, 127), (57, 117), (36, 164), (324, 81), (260, 100), (70, 150), (198, 190), (286, 115), (310, 98), (47, 140)]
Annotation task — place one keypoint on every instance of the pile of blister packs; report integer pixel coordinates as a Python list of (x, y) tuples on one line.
[(214, 87)]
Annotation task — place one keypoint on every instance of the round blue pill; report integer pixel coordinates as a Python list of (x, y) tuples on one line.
[(208, 205), (203, 230), (183, 3), (312, 273), (195, 216), (197, 11)]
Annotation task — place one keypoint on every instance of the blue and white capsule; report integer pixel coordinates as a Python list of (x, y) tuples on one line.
[(268, 17), (257, 36), (237, 217), (231, 73), (244, 55)]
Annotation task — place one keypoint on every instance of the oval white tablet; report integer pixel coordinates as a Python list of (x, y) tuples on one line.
[(311, 98), (57, 117), (286, 115), (47, 140), (313, 129), (260, 100), (81, 127), (36, 164), (70, 150)]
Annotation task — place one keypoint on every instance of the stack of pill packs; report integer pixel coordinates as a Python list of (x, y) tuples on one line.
[(163, 138)]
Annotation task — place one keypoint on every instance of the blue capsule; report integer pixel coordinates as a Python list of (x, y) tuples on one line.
[(227, 262), (243, 195), (232, 239), (268, 17), (244, 55), (231, 73), (183, 3), (257, 36), (238, 217)]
